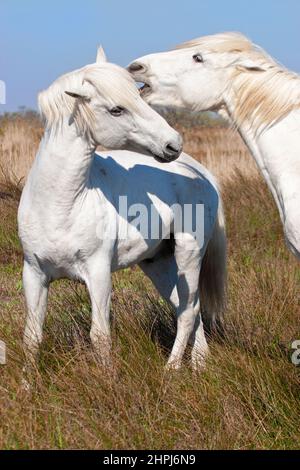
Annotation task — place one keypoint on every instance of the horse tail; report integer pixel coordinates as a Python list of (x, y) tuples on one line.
[(213, 275)]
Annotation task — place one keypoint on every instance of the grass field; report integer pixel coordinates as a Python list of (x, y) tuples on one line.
[(248, 398)]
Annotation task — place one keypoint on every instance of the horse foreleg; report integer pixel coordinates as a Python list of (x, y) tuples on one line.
[(36, 288), (99, 287)]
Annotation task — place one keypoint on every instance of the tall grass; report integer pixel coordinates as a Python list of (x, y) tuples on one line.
[(218, 147), (19, 140), (248, 398)]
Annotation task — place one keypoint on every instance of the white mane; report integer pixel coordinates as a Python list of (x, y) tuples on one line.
[(223, 42), (110, 81), (266, 92)]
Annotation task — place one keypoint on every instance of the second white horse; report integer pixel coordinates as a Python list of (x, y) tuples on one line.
[(227, 72)]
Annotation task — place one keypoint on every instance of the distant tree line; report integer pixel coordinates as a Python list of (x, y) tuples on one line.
[(174, 116)]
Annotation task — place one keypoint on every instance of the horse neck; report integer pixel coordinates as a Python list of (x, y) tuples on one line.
[(61, 169), (276, 151)]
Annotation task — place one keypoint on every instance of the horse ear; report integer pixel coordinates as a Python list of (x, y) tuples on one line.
[(250, 65), (73, 94), (101, 57), (84, 91)]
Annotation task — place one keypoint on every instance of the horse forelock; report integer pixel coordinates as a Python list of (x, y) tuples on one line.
[(109, 80), (223, 42)]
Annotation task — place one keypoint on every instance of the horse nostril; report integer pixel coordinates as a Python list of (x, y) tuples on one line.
[(135, 67), (170, 148), (172, 151)]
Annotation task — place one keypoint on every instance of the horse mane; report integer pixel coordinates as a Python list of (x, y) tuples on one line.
[(267, 96), (109, 80), (222, 42), (266, 92)]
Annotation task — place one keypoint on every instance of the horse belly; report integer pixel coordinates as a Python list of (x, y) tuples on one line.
[(132, 251)]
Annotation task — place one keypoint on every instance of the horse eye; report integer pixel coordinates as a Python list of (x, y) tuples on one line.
[(198, 58), (117, 111)]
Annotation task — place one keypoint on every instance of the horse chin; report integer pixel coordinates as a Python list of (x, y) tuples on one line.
[(163, 160), (160, 159)]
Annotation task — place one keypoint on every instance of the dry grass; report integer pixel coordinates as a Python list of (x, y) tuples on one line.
[(221, 150), (19, 140), (247, 398)]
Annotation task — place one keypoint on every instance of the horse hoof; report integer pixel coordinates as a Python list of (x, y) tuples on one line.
[(199, 362), (25, 385), (172, 365)]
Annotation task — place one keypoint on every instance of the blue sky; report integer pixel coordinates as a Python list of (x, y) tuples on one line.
[(40, 40)]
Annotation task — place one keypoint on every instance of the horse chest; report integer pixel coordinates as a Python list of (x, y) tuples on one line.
[(61, 245)]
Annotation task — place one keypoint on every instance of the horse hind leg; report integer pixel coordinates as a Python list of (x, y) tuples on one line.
[(162, 270), (176, 277), (188, 260)]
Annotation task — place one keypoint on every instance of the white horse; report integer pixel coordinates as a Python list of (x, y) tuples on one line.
[(71, 224), (226, 72)]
